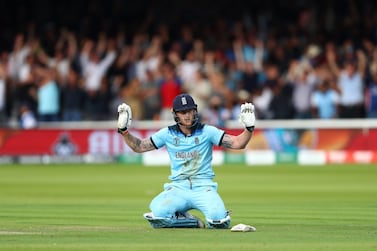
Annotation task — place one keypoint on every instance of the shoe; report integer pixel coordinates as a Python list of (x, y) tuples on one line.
[(187, 215)]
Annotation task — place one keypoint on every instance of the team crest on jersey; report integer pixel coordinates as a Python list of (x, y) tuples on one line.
[(176, 141), (196, 140)]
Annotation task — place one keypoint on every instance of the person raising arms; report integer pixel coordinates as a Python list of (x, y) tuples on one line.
[(189, 144)]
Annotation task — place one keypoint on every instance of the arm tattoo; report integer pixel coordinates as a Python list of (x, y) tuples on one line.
[(139, 145), (227, 141)]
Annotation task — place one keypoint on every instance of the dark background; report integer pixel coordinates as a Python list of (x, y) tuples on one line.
[(350, 19)]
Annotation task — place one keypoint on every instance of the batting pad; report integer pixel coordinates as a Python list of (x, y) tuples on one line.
[(243, 228)]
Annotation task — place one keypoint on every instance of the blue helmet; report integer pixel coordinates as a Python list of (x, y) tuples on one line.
[(183, 102)]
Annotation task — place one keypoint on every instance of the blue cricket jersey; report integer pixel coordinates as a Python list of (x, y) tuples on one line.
[(190, 156)]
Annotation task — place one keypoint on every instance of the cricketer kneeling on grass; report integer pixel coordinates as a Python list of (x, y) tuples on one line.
[(189, 144)]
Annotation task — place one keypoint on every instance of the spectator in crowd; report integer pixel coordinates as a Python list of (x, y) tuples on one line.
[(186, 40), (212, 64), (94, 69), (220, 88), (132, 94), (371, 87), (3, 93), (26, 83), (303, 81), (72, 97), (350, 83), (281, 105), (149, 93), (233, 76), (150, 59), (48, 95), (101, 104), (371, 97), (170, 85), (123, 69), (266, 92), (261, 100), (200, 89), (9, 90), (250, 78), (27, 117), (249, 59), (325, 101), (64, 55), (188, 67), (17, 56), (216, 113)]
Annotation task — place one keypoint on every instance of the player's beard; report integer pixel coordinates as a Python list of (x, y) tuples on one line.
[(188, 123)]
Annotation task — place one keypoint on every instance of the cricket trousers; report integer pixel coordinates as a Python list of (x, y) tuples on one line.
[(184, 195)]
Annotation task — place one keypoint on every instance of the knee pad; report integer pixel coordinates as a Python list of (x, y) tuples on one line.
[(219, 224)]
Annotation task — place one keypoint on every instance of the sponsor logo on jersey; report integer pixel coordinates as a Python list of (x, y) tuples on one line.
[(187, 155)]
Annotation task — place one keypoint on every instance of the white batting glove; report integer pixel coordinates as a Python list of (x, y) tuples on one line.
[(124, 118), (247, 116)]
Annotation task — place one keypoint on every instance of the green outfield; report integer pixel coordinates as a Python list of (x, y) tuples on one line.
[(100, 207)]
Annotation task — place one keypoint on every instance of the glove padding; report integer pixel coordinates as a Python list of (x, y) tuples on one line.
[(247, 116), (124, 117)]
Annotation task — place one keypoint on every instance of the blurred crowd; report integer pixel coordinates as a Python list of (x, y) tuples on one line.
[(311, 61)]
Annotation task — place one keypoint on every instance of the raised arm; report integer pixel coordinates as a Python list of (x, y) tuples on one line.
[(247, 118), (124, 122), (331, 60), (237, 142), (138, 145)]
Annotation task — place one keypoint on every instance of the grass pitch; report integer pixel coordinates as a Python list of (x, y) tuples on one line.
[(100, 207)]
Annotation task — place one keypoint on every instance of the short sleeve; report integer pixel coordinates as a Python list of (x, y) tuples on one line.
[(159, 137), (215, 134)]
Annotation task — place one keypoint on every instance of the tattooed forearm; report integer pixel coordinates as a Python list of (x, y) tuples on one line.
[(138, 145), (236, 142), (227, 141)]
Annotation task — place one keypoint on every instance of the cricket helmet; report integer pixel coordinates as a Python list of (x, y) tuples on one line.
[(183, 102)]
